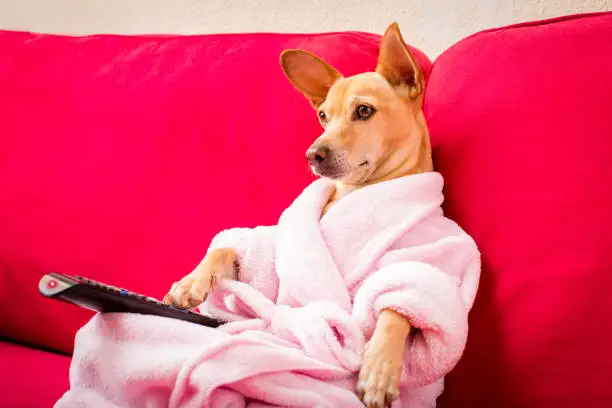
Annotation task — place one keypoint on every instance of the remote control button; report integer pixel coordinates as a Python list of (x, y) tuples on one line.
[(52, 284), (123, 292)]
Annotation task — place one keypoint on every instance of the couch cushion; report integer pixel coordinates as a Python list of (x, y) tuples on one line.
[(31, 378), (520, 119), (121, 156)]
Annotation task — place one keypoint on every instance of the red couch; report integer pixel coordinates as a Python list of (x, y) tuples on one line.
[(120, 157)]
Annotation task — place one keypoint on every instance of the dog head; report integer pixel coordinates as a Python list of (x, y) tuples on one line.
[(374, 128)]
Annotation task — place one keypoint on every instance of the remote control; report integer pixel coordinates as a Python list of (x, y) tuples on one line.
[(103, 298)]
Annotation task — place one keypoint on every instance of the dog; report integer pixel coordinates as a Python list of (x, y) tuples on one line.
[(374, 131)]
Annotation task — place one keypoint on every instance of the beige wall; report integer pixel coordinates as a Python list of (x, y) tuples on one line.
[(431, 25)]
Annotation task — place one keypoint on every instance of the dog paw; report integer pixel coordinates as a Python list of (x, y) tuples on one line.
[(379, 378), (192, 290), (189, 292)]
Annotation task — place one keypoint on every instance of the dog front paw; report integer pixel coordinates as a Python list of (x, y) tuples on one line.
[(189, 292), (379, 378), (192, 290)]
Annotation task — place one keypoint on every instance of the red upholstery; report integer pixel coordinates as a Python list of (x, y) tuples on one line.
[(31, 378), (521, 124), (120, 157)]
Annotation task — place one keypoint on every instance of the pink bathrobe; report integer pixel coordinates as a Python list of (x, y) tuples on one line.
[(309, 293)]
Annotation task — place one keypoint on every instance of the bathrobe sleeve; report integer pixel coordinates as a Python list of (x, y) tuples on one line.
[(430, 276), (256, 251)]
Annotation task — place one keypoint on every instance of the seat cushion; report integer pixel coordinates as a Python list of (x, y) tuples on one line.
[(31, 378), (122, 156), (520, 120)]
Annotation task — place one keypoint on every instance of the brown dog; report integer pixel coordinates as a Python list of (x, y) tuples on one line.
[(375, 131)]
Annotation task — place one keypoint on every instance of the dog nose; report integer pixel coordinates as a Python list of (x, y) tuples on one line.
[(317, 155)]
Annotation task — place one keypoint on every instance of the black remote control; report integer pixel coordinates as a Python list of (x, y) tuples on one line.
[(104, 298)]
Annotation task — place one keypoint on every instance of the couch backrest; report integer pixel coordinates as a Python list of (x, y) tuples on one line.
[(521, 126), (121, 157)]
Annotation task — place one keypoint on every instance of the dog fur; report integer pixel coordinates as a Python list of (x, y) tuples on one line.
[(374, 131)]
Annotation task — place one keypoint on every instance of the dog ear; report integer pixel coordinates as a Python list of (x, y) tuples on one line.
[(312, 76), (397, 64)]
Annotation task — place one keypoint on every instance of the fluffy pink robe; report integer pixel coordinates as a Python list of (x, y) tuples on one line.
[(309, 294)]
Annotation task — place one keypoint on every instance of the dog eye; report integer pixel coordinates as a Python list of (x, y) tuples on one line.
[(364, 112), (322, 117)]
